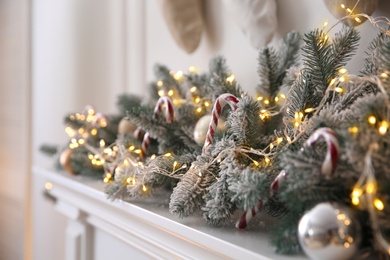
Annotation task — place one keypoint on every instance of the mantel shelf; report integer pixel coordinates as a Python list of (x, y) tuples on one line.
[(147, 225)]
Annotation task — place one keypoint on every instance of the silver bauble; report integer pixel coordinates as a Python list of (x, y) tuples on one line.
[(202, 126), (329, 231)]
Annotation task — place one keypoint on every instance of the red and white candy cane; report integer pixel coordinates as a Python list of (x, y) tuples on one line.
[(168, 113), (328, 167), (222, 100), (332, 154), (145, 143), (277, 181), (248, 215), (139, 133)]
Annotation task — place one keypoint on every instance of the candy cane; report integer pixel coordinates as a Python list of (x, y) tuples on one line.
[(332, 154), (138, 133), (219, 104), (277, 181), (169, 112), (327, 168), (145, 143), (248, 215)]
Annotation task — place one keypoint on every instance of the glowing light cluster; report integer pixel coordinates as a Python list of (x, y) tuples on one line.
[(383, 126)]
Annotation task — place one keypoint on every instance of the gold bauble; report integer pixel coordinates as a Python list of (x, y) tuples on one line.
[(341, 8), (125, 126), (202, 126), (65, 160)]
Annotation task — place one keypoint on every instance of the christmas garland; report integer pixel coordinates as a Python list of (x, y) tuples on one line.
[(311, 149)]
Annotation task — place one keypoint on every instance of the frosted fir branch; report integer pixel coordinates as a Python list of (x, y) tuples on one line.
[(244, 123), (248, 188), (218, 205), (373, 54), (268, 72), (219, 73), (187, 196), (288, 53), (127, 103), (274, 64), (344, 45), (317, 52)]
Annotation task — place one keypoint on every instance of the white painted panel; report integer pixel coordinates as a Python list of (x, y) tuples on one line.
[(109, 247)]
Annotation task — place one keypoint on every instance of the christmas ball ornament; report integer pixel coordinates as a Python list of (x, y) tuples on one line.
[(202, 127), (342, 8), (65, 160), (329, 231), (125, 126)]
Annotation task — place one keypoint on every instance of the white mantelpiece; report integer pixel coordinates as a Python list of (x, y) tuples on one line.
[(98, 228)]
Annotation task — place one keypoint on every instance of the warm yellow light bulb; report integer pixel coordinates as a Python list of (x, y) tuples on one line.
[(339, 90), (343, 70), (102, 143), (342, 6), (161, 93), (178, 75), (266, 101), (267, 160), (170, 92), (197, 100), (193, 89), (279, 140), (175, 163), (94, 131), (168, 154), (309, 110), (126, 162), (384, 126), (259, 98), (48, 186), (379, 204), (152, 157), (199, 109), (355, 201), (159, 83), (384, 75), (357, 192), (144, 188), (326, 23), (371, 187), (192, 69), (256, 163), (332, 82), (353, 130), (357, 19), (230, 79), (372, 120)]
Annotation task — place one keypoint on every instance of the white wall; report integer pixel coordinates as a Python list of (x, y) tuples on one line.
[(14, 127), (87, 52)]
